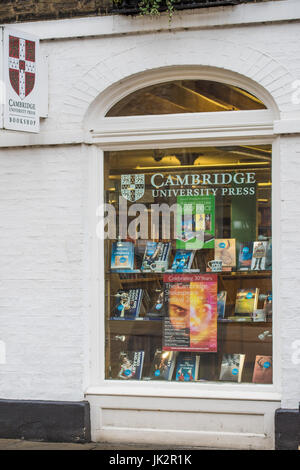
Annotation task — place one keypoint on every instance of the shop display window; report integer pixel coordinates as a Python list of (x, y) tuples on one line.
[(188, 264)]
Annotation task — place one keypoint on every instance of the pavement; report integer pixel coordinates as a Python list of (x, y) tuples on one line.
[(15, 444)]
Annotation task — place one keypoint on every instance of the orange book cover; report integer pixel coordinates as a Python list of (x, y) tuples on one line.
[(225, 251), (262, 373), (191, 323)]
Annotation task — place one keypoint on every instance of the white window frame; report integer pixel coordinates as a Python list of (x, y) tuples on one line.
[(176, 131)]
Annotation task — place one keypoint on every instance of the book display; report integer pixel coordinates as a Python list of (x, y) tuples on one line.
[(122, 256), (246, 301), (232, 367), (221, 303), (187, 367), (182, 261), (163, 365), (189, 300), (262, 373), (156, 257), (245, 256), (131, 365), (128, 304)]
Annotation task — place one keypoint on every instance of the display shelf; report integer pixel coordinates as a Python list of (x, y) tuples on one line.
[(149, 277), (146, 326), (136, 327)]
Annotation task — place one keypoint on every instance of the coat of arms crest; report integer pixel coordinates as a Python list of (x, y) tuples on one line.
[(132, 187), (22, 65)]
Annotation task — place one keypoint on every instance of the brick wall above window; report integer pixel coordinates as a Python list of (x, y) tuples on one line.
[(13, 11)]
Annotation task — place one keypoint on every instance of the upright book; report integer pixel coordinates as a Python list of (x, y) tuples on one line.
[(221, 303), (156, 309), (268, 306), (130, 365), (187, 367), (190, 321), (183, 260), (127, 305), (156, 257), (163, 365), (259, 256), (225, 252), (232, 367), (245, 256), (268, 264), (262, 373), (246, 301), (122, 256)]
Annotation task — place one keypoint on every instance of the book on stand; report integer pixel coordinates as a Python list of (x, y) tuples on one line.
[(187, 367), (268, 306), (221, 303), (262, 373), (245, 256), (232, 367), (183, 260), (225, 252), (130, 365), (128, 304), (259, 256), (122, 256), (246, 301), (268, 264), (156, 310), (163, 365), (156, 257)]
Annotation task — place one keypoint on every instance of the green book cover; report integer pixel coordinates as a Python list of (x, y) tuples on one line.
[(197, 216)]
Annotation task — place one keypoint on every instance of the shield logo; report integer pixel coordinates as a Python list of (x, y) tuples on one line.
[(132, 187), (22, 65)]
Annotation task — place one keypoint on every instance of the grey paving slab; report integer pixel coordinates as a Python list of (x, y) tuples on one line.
[(14, 444)]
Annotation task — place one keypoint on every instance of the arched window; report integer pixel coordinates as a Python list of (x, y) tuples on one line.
[(186, 96), (192, 304)]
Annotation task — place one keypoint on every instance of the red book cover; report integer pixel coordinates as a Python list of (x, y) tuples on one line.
[(191, 320)]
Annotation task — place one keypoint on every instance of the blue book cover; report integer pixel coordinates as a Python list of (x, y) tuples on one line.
[(128, 304), (221, 303), (245, 256), (122, 255), (187, 368), (130, 365), (182, 261)]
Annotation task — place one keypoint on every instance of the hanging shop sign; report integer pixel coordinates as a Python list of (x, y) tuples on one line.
[(20, 81)]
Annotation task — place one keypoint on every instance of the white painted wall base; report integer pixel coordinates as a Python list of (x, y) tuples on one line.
[(229, 424)]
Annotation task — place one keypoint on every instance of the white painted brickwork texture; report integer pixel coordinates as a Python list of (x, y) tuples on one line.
[(41, 286), (289, 311), (43, 230)]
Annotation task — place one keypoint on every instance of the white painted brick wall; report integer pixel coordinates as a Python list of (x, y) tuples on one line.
[(43, 286), (289, 311), (41, 283)]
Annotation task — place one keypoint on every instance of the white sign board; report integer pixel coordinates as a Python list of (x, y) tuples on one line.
[(21, 81)]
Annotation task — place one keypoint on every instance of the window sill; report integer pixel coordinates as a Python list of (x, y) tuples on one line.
[(203, 390)]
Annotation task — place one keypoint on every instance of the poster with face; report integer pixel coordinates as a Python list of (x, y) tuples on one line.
[(191, 320)]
